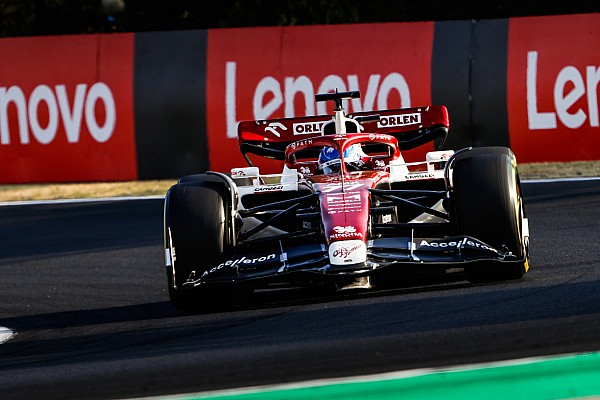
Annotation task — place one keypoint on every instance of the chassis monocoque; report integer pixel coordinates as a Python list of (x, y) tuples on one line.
[(355, 228)]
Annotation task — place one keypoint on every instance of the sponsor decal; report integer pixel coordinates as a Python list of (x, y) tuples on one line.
[(262, 189), (301, 143), (341, 198), (243, 261), (379, 136), (343, 202), (305, 171), (570, 86), (345, 232), (456, 244), (553, 77), (347, 252), (379, 164), (416, 176), (337, 186), (73, 119), (273, 126), (56, 102), (270, 89), (386, 219), (308, 128), (438, 155), (344, 229), (390, 121), (244, 171)]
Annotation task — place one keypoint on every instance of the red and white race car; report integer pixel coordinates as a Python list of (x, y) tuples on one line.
[(346, 211)]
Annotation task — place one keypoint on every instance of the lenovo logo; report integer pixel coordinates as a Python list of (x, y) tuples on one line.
[(570, 85), (271, 94), (40, 115)]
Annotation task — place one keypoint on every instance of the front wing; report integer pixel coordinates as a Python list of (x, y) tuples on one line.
[(387, 259)]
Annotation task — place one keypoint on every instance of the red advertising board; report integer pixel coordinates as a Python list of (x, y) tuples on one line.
[(66, 109), (553, 77), (262, 73)]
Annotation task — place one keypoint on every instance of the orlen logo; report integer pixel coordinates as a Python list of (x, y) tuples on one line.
[(308, 128), (282, 93), (578, 85), (56, 106), (399, 120)]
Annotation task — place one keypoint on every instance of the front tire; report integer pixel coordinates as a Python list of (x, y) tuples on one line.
[(488, 206), (197, 226)]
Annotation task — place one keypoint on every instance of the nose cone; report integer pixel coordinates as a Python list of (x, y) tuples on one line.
[(345, 213)]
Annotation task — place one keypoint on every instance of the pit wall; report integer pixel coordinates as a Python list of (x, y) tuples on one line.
[(165, 104)]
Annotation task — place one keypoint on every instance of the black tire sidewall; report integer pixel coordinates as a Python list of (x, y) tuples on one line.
[(486, 198), (198, 228)]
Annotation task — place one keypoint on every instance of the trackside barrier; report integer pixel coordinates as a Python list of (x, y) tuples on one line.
[(153, 105)]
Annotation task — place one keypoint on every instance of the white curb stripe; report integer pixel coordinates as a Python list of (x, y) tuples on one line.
[(5, 334)]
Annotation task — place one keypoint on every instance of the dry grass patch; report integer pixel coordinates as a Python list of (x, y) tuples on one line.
[(160, 187), (83, 190), (576, 169)]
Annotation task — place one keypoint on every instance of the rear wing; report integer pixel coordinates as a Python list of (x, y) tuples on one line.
[(411, 126)]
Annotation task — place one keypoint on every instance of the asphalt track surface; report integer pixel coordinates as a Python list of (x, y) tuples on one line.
[(83, 286)]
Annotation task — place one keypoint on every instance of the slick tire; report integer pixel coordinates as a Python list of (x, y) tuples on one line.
[(488, 206), (198, 222)]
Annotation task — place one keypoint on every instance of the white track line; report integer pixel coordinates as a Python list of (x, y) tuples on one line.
[(5, 334), (580, 179)]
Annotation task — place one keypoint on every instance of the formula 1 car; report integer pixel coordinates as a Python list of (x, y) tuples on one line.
[(347, 211)]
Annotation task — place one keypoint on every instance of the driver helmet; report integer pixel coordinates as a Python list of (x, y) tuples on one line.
[(329, 158)]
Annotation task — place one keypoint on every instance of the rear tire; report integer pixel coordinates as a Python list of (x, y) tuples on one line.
[(198, 222), (488, 206)]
